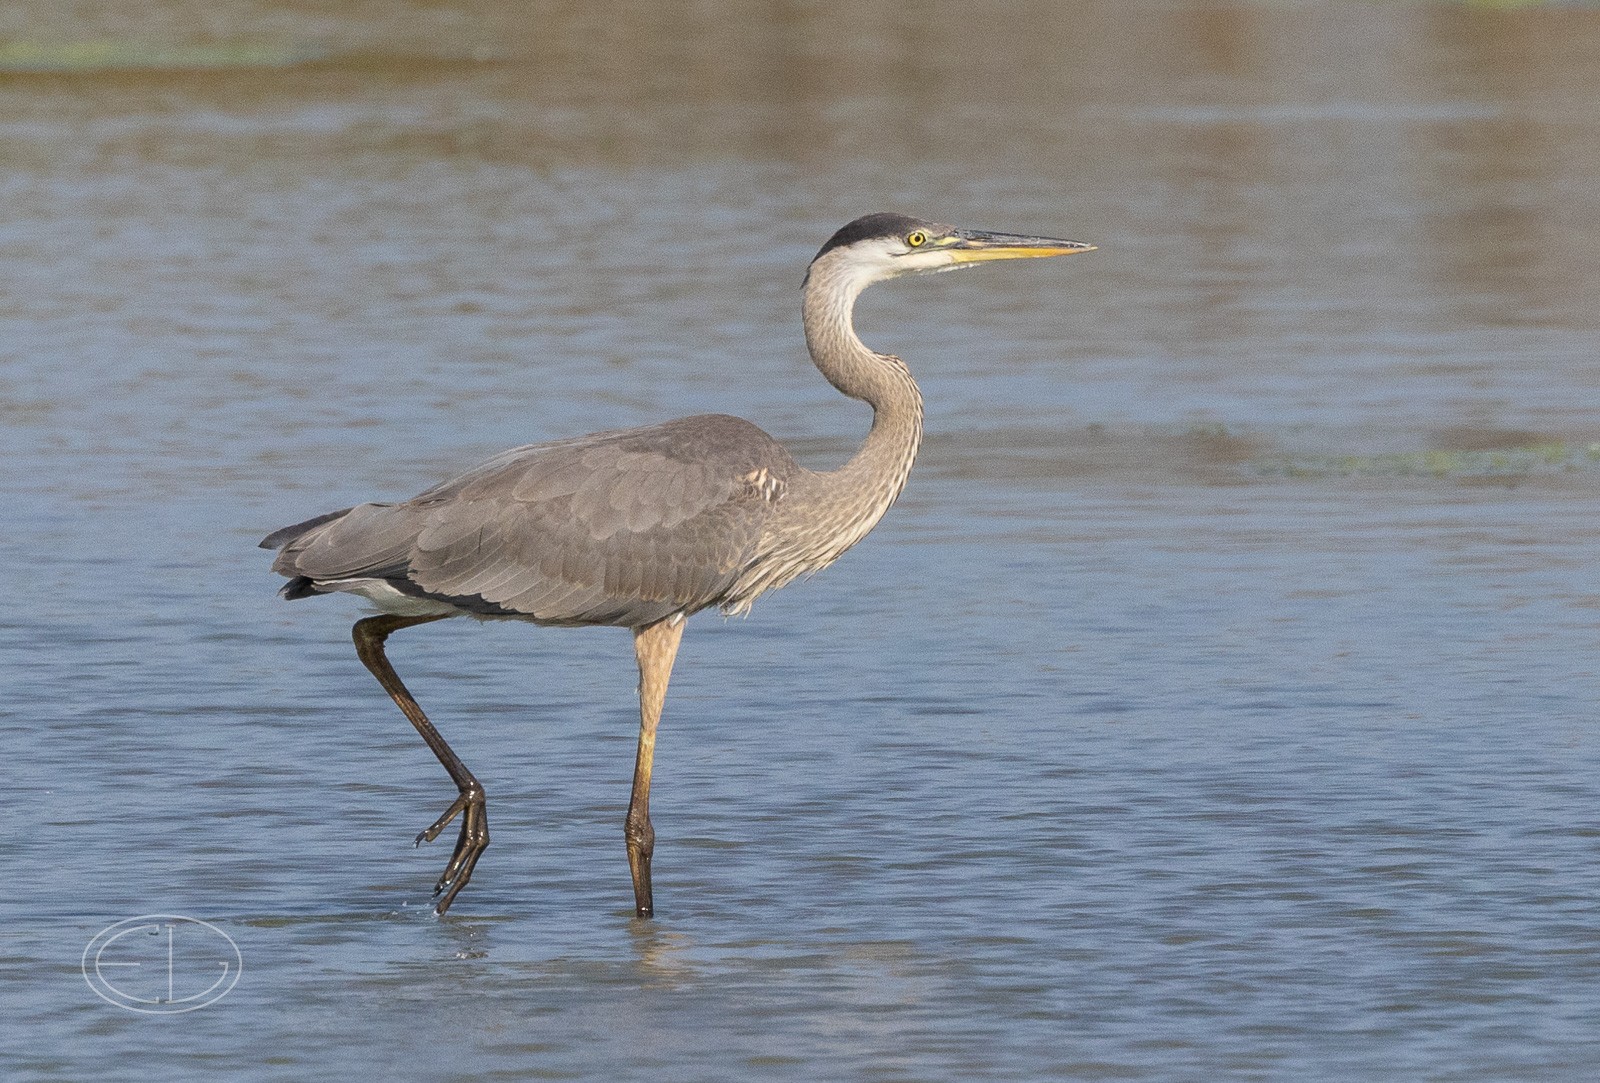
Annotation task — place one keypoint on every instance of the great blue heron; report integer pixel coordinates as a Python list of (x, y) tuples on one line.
[(640, 528)]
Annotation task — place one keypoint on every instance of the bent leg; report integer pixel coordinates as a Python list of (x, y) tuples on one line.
[(471, 804)]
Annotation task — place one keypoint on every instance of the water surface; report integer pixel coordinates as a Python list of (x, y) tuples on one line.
[(1216, 704)]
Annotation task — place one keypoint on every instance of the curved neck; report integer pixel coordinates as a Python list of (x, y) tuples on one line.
[(877, 471)]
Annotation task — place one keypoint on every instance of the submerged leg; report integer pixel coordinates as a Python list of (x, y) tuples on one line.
[(369, 635), (656, 646)]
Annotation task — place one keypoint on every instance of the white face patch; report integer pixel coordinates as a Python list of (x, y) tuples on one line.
[(928, 260), (890, 257)]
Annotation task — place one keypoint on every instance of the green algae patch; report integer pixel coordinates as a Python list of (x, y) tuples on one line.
[(1512, 462), (21, 57)]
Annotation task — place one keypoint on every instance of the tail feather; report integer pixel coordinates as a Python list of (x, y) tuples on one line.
[(298, 586), (323, 554)]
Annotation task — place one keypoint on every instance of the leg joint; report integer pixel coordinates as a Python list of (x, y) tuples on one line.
[(638, 831)]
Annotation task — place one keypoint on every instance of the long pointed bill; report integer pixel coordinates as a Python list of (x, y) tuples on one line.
[(974, 245)]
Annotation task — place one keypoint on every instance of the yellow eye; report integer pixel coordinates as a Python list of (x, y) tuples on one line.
[(916, 238)]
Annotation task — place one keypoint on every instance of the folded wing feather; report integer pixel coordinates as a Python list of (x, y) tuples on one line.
[(621, 527)]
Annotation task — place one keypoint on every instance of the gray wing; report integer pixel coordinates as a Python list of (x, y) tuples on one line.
[(622, 527)]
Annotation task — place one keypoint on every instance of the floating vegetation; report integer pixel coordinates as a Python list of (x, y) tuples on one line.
[(1513, 462), (19, 57)]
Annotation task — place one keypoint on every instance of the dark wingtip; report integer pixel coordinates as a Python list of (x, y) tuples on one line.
[(299, 587), (278, 538)]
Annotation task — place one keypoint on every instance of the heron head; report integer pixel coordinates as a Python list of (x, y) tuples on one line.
[(884, 245)]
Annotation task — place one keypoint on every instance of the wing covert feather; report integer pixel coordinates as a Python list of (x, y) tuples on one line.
[(610, 528)]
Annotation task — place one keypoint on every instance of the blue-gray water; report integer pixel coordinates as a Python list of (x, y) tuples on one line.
[(1218, 703)]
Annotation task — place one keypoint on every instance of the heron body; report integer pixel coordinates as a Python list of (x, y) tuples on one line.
[(640, 528)]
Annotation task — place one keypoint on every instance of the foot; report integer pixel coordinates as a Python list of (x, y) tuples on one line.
[(473, 809)]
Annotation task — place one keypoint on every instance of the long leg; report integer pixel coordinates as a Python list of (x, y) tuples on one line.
[(656, 646), (471, 805)]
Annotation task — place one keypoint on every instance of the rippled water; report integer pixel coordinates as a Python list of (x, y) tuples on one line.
[(1218, 703)]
